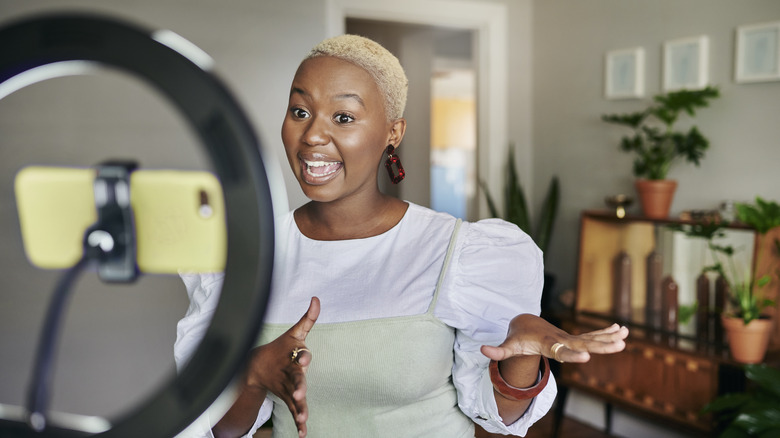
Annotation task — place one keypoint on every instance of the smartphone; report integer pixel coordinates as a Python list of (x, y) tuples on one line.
[(179, 217)]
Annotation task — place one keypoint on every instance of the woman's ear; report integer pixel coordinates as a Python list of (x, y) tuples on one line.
[(397, 131)]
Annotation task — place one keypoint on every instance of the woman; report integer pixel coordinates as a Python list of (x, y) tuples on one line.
[(404, 308)]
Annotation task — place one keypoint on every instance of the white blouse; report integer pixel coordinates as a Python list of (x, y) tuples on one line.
[(495, 273)]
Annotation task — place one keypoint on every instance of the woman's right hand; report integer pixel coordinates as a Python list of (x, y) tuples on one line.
[(271, 367)]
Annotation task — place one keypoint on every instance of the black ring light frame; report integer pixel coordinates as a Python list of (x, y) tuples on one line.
[(235, 153)]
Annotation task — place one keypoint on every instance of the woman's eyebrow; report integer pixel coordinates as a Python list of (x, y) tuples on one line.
[(351, 96), (343, 96), (296, 90)]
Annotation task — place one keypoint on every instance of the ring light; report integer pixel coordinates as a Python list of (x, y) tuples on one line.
[(50, 46)]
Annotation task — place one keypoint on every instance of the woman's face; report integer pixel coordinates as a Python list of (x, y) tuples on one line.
[(335, 129)]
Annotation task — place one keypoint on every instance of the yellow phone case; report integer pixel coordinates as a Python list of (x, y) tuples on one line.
[(179, 217)]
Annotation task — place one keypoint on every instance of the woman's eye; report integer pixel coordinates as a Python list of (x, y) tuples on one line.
[(344, 118), (299, 113)]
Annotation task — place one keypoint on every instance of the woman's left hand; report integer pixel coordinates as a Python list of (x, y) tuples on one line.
[(530, 335)]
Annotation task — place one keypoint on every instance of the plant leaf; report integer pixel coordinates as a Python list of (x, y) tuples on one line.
[(759, 419), (770, 433), (490, 203), (686, 312), (763, 216), (657, 148), (687, 100), (763, 281), (632, 120), (766, 377), (733, 432), (691, 145), (727, 402), (728, 249), (547, 216), (755, 412), (514, 198)]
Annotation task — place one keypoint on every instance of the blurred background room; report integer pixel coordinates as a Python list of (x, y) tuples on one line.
[(486, 77)]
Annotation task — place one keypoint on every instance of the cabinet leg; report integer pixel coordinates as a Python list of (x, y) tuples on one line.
[(608, 418)]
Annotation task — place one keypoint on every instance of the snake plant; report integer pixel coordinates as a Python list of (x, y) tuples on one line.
[(516, 207)]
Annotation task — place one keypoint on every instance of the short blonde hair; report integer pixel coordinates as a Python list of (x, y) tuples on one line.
[(382, 65)]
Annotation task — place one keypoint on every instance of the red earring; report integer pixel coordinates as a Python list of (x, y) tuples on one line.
[(391, 160)]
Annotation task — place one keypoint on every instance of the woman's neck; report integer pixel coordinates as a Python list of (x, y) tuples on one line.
[(349, 220)]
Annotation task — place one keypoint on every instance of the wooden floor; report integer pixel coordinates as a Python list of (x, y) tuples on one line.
[(542, 429)]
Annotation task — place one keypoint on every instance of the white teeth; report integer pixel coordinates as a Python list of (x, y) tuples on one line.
[(316, 163), (308, 170), (310, 165)]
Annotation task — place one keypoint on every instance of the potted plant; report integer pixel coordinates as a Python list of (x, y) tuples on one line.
[(658, 145), (747, 325), (745, 321), (751, 413), (516, 212)]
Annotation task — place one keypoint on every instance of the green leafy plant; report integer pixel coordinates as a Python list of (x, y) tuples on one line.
[(516, 207), (762, 216), (744, 286), (658, 145), (685, 312), (753, 413)]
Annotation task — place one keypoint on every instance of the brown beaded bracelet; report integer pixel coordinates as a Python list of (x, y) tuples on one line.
[(517, 394)]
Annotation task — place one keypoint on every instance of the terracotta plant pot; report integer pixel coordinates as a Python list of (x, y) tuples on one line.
[(747, 343), (656, 196)]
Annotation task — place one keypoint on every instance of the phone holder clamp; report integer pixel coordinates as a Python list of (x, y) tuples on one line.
[(111, 241)]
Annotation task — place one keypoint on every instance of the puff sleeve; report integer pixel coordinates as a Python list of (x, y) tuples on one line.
[(204, 291), (495, 274)]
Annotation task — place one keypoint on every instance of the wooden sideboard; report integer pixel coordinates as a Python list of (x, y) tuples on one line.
[(665, 375), (654, 376)]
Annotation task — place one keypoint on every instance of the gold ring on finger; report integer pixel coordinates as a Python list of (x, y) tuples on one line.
[(556, 348), (295, 356)]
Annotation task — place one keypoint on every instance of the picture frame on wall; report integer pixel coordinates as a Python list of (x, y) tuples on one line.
[(686, 63), (758, 53), (625, 74)]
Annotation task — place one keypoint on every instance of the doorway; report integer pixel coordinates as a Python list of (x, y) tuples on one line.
[(488, 24), (439, 150)]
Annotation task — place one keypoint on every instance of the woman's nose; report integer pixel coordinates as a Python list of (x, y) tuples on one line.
[(315, 133)]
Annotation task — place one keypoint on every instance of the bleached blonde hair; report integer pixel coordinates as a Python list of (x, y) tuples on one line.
[(382, 65)]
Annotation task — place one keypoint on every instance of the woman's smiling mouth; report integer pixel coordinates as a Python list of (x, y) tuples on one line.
[(319, 172)]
